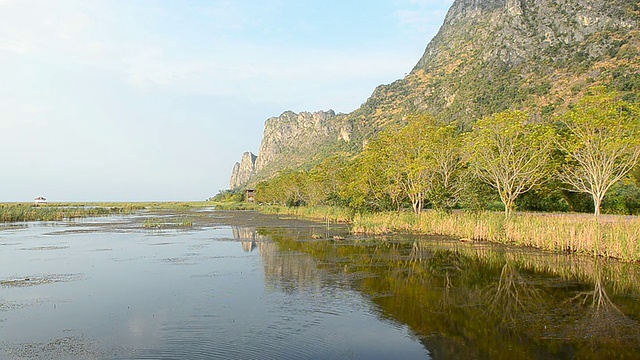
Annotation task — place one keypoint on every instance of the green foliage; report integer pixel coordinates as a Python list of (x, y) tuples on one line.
[(511, 154), (506, 161), (601, 143), (229, 196), (623, 198), (478, 196), (544, 199)]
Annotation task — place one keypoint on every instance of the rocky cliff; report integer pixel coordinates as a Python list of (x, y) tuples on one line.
[(288, 141), (489, 55), (243, 170)]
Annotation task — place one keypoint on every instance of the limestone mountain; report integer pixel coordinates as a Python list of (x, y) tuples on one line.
[(491, 55), (288, 141), (243, 171)]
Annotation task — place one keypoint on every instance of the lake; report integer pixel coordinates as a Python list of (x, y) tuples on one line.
[(242, 285)]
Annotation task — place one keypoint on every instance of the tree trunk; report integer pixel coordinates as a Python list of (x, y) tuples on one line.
[(508, 205), (597, 202)]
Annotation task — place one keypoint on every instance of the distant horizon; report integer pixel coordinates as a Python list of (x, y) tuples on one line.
[(103, 201), (157, 100)]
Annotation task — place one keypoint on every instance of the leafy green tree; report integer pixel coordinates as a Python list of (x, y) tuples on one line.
[(511, 154), (380, 174), (601, 142), (406, 162), (442, 163), (324, 181)]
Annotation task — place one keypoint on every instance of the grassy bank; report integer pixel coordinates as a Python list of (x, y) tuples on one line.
[(609, 236), (325, 213), (614, 237)]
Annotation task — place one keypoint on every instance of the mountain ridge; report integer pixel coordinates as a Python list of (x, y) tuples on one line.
[(488, 56)]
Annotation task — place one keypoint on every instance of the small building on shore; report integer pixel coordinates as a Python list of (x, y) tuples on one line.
[(40, 200), (250, 196)]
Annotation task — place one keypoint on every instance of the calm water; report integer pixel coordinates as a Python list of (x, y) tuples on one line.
[(247, 286)]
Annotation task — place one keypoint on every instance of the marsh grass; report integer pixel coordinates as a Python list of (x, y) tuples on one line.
[(606, 236), (236, 206), (185, 222), (13, 212), (56, 212), (161, 223), (615, 236), (332, 214)]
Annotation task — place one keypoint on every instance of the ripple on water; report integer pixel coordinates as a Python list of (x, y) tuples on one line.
[(192, 343)]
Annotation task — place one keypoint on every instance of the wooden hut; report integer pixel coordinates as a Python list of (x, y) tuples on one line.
[(250, 196)]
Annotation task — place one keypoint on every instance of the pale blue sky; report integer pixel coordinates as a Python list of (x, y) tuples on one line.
[(155, 100)]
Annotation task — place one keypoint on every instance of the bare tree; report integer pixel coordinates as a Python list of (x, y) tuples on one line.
[(511, 154), (601, 143)]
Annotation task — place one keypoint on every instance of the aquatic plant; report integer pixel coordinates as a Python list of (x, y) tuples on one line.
[(613, 236), (186, 222), (12, 212)]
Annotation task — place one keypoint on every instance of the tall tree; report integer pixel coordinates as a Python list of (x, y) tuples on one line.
[(382, 170), (601, 143), (443, 164), (510, 153), (421, 162)]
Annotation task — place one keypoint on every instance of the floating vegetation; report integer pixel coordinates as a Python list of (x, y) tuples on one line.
[(186, 222), (61, 348), (154, 223), (158, 223), (51, 247), (25, 281)]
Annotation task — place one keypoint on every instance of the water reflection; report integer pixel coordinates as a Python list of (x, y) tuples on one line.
[(299, 290), (248, 236), (513, 296), (286, 273), (475, 300)]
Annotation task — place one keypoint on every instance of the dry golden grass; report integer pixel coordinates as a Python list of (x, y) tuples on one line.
[(612, 236)]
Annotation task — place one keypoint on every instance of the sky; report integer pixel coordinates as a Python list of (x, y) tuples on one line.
[(146, 100)]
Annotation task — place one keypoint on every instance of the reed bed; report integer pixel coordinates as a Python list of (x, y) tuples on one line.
[(235, 206), (331, 214), (614, 236), (160, 223), (27, 212)]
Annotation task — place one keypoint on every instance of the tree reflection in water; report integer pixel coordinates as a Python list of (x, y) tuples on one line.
[(472, 300), (513, 297), (598, 318)]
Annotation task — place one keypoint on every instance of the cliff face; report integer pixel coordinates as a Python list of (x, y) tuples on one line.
[(243, 170), (489, 55), (290, 133), (288, 141)]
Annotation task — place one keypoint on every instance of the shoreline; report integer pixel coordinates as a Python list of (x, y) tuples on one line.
[(609, 236)]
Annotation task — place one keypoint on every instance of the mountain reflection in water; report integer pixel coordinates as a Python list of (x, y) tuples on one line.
[(471, 300)]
